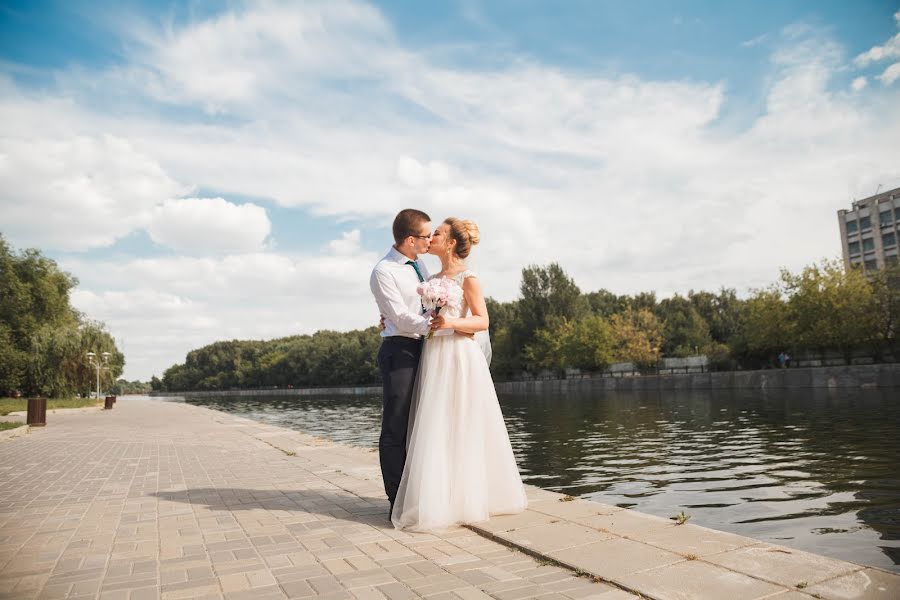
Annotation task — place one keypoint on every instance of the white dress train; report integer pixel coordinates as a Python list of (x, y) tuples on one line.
[(460, 466)]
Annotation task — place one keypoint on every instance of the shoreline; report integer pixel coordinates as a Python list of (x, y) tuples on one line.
[(864, 377), (596, 526), (183, 487)]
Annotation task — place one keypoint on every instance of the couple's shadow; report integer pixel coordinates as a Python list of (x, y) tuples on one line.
[(322, 502)]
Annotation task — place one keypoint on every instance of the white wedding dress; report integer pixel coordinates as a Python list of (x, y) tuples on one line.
[(460, 466)]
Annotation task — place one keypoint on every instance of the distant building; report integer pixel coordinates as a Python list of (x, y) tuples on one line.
[(870, 231)]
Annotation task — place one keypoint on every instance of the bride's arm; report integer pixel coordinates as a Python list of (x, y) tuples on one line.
[(477, 321)]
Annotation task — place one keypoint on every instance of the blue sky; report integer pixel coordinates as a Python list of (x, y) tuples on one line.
[(213, 170)]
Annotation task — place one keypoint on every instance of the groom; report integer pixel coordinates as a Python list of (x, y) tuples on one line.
[(393, 282)]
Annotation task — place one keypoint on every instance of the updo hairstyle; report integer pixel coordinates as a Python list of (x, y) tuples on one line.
[(466, 234)]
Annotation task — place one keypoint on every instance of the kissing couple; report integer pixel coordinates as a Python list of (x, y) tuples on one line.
[(445, 453)]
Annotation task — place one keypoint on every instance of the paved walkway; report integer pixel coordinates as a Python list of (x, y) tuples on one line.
[(155, 499), (166, 500)]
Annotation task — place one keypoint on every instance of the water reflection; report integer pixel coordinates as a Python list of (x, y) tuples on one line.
[(813, 469)]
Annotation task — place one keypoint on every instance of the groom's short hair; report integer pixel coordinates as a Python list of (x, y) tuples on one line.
[(407, 223)]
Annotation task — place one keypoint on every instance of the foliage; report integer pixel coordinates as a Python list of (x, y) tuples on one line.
[(123, 387), (831, 308), (886, 288), (58, 365), (585, 344), (43, 340), (722, 312), (325, 358), (766, 327), (685, 330), (554, 326), (637, 336), (549, 295)]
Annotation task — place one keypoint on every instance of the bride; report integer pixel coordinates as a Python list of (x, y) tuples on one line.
[(460, 466)]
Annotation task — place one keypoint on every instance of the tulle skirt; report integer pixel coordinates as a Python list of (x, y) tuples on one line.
[(460, 466)]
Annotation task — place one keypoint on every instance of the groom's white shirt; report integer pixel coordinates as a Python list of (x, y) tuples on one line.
[(394, 283)]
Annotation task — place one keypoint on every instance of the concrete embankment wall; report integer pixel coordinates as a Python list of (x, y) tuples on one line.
[(848, 377)]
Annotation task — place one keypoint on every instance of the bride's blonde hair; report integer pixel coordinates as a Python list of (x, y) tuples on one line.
[(465, 233)]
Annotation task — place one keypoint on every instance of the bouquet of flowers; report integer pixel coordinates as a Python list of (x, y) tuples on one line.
[(438, 293)]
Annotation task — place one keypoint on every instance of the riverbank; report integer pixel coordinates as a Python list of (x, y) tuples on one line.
[(879, 376), (159, 499)]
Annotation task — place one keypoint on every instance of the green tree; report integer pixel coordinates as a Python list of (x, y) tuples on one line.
[(605, 303), (585, 344), (13, 362), (549, 295), (722, 312), (766, 327), (638, 336), (685, 332), (508, 358), (832, 308), (886, 287), (58, 365), (44, 338)]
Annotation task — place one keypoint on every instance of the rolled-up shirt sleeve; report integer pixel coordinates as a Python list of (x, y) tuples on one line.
[(391, 305)]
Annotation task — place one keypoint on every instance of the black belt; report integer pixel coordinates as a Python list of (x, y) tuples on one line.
[(403, 339)]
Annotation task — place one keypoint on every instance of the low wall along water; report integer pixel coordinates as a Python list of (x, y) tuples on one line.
[(848, 377)]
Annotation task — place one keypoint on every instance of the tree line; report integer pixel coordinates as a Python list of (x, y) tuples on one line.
[(43, 340), (554, 326)]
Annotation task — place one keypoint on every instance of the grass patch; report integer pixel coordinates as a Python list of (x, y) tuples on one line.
[(4, 426), (566, 498), (8, 405), (681, 518)]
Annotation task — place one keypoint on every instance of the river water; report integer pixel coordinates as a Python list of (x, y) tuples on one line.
[(817, 470)]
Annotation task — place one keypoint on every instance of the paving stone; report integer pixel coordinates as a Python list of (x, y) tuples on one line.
[(614, 558), (692, 540), (782, 565), (554, 536), (865, 584), (697, 579)]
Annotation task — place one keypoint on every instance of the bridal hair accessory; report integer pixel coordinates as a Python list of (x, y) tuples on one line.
[(438, 293)]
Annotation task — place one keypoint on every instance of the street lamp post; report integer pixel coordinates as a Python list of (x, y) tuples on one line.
[(98, 364)]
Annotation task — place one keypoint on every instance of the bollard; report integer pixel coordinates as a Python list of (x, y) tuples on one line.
[(108, 402), (37, 412)]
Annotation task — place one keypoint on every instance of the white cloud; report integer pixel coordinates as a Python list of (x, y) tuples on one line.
[(77, 192), (415, 174), (161, 308), (859, 84), (209, 225), (755, 41), (890, 50), (891, 74), (348, 244)]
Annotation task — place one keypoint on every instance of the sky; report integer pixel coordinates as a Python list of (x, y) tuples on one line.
[(230, 170)]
